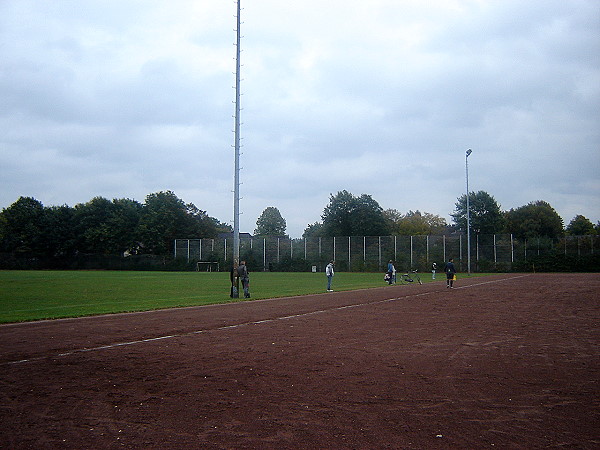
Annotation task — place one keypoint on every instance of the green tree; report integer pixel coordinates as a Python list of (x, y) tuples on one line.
[(580, 226), (536, 219), (414, 223), (92, 225), (61, 236), (347, 215), (122, 226), (270, 223), (314, 230), (208, 227), (485, 216), (165, 218), (22, 227)]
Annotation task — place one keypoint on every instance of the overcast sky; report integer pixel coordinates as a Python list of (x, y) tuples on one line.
[(123, 98)]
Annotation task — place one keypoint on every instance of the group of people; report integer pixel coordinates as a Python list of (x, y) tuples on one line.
[(390, 276), (241, 272)]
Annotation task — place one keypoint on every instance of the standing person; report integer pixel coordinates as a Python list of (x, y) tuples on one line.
[(390, 272), (243, 275), (433, 269), (450, 273), (233, 276), (329, 273)]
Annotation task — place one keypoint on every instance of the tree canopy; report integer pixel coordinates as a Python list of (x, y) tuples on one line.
[(485, 216), (347, 215), (313, 230), (22, 226), (270, 223), (414, 223), (536, 219), (580, 226), (103, 226)]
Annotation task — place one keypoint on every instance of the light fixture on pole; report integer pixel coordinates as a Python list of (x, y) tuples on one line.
[(469, 151)]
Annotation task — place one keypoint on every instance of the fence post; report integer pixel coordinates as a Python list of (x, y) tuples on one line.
[(320, 249), (349, 254), (411, 251), (379, 245), (444, 245), (334, 248), (495, 258), (512, 249)]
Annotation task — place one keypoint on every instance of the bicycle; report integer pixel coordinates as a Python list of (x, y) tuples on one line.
[(410, 277)]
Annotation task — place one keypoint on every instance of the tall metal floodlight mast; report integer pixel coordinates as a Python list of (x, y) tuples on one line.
[(468, 214), (236, 182)]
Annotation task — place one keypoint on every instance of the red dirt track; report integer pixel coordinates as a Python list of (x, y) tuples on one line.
[(507, 361)]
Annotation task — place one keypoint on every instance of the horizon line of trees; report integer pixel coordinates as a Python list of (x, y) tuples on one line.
[(101, 226), (125, 226), (349, 215)]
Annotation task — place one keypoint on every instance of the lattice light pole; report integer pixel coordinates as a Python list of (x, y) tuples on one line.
[(469, 151), (236, 177)]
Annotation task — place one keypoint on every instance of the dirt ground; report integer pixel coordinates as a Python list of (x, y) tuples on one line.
[(508, 361)]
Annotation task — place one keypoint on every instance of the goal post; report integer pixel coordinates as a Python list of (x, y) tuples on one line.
[(207, 266)]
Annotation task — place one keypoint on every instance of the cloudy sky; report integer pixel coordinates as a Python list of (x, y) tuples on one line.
[(123, 98)]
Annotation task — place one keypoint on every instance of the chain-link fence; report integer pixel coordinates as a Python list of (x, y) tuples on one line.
[(372, 253)]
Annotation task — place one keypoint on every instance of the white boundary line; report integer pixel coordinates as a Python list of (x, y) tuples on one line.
[(243, 324)]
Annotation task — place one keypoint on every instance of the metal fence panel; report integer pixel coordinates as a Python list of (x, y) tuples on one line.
[(372, 253)]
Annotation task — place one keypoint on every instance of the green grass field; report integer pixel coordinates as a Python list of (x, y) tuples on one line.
[(35, 295)]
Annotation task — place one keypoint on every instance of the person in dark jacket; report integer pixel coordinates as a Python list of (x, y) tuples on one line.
[(244, 278), (450, 273)]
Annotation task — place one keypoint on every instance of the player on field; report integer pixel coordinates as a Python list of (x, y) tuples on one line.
[(450, 273), (245, 278), (329, 272)]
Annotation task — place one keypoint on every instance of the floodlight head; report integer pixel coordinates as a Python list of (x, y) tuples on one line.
[(469, 152)]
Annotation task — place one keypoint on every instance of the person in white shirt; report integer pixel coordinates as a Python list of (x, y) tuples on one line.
[(329, 273)]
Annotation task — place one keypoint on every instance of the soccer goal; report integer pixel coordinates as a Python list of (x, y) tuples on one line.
[(207, 266)]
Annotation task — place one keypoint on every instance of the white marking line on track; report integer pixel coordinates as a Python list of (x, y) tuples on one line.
[(243, 324)]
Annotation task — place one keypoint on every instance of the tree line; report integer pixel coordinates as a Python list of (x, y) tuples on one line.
[(102, 226), (349, 215), (125, 226)]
